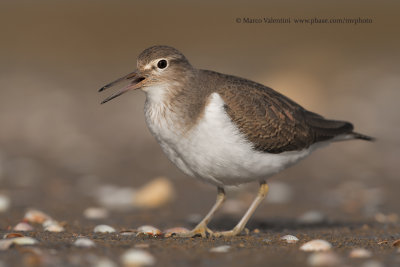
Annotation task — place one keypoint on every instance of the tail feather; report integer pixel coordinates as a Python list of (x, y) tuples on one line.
[(363, 137), (332, 129)]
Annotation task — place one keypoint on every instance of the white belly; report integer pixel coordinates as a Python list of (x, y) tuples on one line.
[(214, 150)]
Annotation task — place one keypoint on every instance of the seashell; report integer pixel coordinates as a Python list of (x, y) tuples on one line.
[(175, 230), (23, 226), (53, 226), (396, 243), (360, 253), (12, 235), (137, 257), (36, 216), (290, 239), (220, 249), (154, 194), (103, 228), (25, 240), (95, 213), (324, 259), (128, 232), (84, 242), (316, 245), (4, 203), (149, 230)]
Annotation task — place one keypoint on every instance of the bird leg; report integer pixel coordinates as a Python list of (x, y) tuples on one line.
[(201, 228), (242, 223)]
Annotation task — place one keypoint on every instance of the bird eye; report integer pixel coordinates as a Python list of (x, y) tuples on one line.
[(162, 64)]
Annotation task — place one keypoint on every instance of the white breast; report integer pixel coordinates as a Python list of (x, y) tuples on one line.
[(214, 150)]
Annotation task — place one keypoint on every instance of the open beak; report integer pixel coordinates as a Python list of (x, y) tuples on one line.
[(136, 83)]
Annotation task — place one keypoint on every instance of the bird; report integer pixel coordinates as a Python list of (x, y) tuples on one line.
[(223, 129)]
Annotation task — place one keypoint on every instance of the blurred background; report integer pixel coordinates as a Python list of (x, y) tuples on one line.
[(58, 144)]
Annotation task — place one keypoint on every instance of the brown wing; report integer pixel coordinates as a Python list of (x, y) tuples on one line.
[(273, 122)]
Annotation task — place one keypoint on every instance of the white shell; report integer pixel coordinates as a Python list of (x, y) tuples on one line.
[(23, 226), (25, 240), (53, 226), (360, 253), (154, 194), (137, 257), (324, 259), (316, 245), (290, 239), (103, 228), (221, 249), (95, 213), (36, 216), (149, 230), (84, 242), (4, 203)]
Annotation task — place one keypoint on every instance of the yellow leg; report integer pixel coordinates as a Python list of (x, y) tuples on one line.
[(201, 228), (242, 223)]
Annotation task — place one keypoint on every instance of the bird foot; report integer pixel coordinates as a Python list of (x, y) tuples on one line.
[(199, 230)]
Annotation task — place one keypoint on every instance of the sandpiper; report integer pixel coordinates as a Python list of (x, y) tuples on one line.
[(223, 129)]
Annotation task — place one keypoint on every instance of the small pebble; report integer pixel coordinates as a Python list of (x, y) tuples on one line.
[(316, 245), (175, 230), (95, 213), (84, 242), (36, 216), (291, 239), (103, 228), (23, 226), (4, 203), (149, 230), (220, 249), (137, 257), (311, 217), (360, 253), (324, 259), (154, 194)]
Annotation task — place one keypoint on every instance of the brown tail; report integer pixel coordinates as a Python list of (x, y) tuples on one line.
[(329, 129)]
